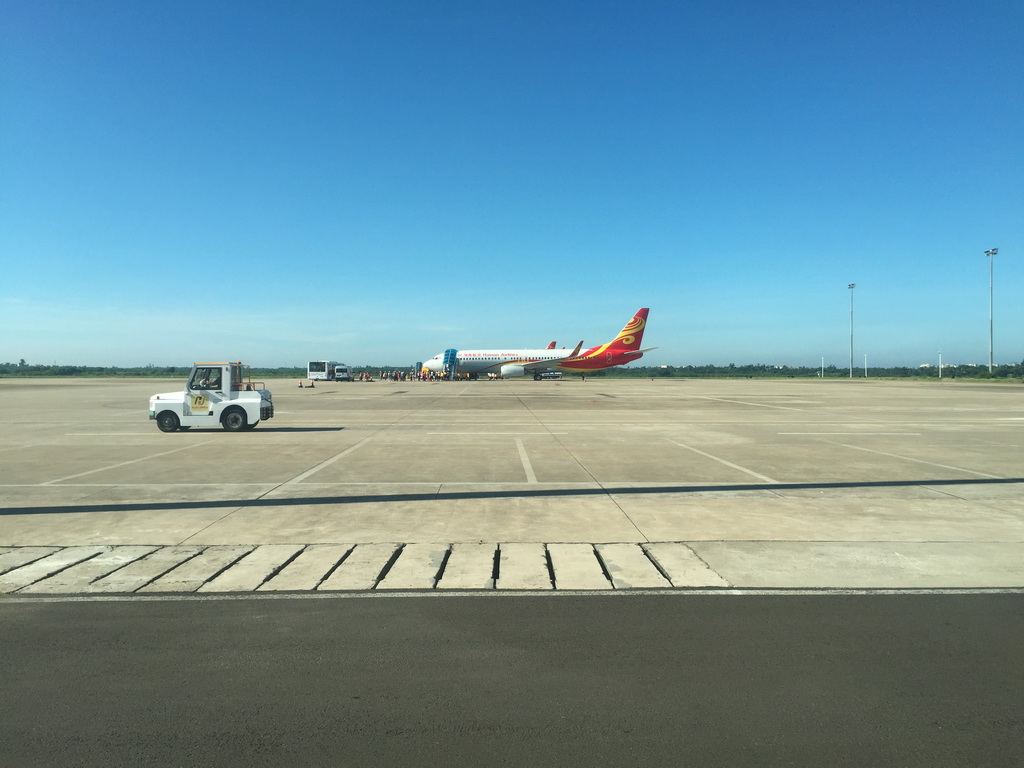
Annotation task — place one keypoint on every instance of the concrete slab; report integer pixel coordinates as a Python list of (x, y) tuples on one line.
[(251, 571), (864, 565), (576, 566), (470, 566), (142, 572), (15, 557), (450, 513), (416, 568), (17, 578), (77, 578), (480, 459), (130, 525), (847, 518), (307, 570), (629, 567), (523, 566), (362, 569), (682, 565), (196, 571)]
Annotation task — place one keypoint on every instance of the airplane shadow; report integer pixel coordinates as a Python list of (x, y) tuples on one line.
[(502, 494)]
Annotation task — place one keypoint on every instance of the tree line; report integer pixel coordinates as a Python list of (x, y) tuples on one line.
[(1012, 371)]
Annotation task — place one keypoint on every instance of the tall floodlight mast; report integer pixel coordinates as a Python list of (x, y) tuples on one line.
[(991, 252), (851, 286)]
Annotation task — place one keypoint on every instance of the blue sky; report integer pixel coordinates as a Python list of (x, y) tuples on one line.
[(377, 181)]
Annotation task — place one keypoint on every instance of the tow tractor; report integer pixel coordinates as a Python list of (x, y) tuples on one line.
[(215, 393)]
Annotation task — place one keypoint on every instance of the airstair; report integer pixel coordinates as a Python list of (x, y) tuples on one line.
[(451, 363)]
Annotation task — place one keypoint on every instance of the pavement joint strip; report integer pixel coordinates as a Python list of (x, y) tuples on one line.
[(604, 566), (550, 565), (656, 564), (336, 566), (154, 556), (283, 565), (389, 565), (63, 561)]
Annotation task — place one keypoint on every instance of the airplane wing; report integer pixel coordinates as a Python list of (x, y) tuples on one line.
[(539, 364)]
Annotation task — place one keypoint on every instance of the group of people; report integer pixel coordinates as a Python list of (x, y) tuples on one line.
[(408, 376), (393, 376), (402, 376)]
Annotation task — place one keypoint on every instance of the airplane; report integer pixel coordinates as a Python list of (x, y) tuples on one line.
[(623, 349)]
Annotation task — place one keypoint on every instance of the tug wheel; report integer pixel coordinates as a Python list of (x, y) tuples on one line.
[(233, 419), (168, 421)]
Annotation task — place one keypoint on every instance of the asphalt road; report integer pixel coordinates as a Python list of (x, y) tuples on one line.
[(730, 680)]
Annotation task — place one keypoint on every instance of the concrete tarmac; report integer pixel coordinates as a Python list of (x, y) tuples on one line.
[(517, 485)]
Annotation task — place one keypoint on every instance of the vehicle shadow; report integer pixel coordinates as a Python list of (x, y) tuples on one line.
[(301, 429)]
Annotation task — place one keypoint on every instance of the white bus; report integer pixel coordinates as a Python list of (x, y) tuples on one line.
[(320, 370), (328, 370)]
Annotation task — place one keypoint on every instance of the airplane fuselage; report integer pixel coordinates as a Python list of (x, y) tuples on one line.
[(506, 362), (485, 361)]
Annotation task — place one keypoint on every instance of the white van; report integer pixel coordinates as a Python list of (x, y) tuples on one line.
[(343, 373)]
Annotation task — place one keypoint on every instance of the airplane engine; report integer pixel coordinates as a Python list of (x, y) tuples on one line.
[(511, 371)]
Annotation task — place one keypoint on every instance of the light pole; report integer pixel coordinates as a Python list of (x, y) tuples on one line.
[(851, 286), (991, 252)]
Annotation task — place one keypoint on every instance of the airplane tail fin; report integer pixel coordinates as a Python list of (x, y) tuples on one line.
[(629, 338), (551, 345)]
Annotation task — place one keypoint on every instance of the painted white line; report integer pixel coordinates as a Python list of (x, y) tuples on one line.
[(856, 434), (488, 434), (126, 463), (523, 457), (918, 461), (750, 472), (497, 593), (324, 464), (744, 402)]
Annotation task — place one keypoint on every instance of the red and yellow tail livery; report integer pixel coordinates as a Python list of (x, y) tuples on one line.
[(624, 348)]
